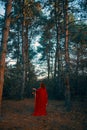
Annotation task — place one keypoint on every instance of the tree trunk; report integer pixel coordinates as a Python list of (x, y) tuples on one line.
[(24, 59), (77, 68), (48, 59), (48, 64), (24, 52), (55, 63), (4, 46), (57, 55), (67, 84)]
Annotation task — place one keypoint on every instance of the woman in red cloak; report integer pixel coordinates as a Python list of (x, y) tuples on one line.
[(41, 99)]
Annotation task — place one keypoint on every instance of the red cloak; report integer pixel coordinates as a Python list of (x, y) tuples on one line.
[(41, 99)]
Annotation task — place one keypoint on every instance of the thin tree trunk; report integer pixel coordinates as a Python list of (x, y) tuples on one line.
[(18, 48), (55, 63), (27, 53), (24, 51), (57, 55), (48, 59), (67, 84), (48, 64), (24, 59), (77, 68), (4, 46)]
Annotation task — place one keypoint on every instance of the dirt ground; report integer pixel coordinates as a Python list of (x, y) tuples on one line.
[(16, 115)]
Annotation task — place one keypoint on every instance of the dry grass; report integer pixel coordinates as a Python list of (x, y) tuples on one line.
[(16, 115)]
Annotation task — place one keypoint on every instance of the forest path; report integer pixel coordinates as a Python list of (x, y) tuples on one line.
[(16, 115)]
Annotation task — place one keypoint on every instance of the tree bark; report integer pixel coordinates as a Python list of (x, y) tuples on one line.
[(48, 64), (24, 58), (67, 84), (4, 46), (24, 51), (57, 70)]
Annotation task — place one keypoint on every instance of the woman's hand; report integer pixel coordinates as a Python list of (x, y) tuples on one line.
[(34, 89)]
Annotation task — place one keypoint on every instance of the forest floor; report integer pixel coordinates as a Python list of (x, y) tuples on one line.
[(16, 115)]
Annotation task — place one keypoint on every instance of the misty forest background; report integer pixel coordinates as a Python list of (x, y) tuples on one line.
[(43, 40)]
